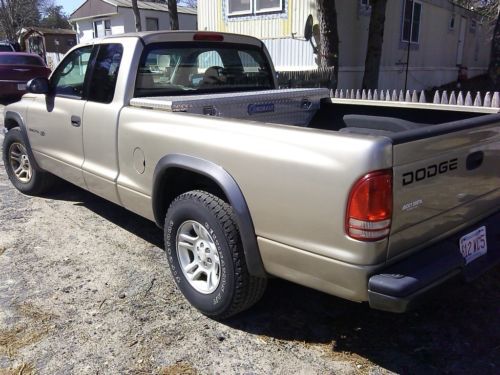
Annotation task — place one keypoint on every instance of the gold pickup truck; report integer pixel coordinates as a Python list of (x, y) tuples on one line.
[(368, 201)]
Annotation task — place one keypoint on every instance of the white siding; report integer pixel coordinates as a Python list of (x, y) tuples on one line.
[(117, 25), (291, 54), (124, 22), (208, 15), (432, 62), (129, 20), (300, 10), (187, 22), (84, 31)]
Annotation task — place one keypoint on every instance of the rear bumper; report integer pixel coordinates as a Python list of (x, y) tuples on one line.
[(11, 88), (403, 285)]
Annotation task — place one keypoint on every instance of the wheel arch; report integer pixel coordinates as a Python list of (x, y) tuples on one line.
[(219, 182), (15, 120)]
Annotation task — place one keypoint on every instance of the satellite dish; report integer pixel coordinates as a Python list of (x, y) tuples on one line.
[(308, 30)]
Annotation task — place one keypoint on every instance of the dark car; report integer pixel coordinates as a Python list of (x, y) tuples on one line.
[(6, 47), (16, 69)]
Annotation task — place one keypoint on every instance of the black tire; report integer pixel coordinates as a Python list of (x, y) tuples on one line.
[(237, 289), (39, 181)]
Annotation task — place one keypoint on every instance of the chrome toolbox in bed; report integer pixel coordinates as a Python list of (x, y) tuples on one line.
[(288, 106)]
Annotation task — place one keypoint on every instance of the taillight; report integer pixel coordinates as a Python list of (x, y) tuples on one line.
[(211, 37), (369, 208)]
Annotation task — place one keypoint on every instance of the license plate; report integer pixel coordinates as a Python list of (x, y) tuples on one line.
[(21, 86), (473, 245)]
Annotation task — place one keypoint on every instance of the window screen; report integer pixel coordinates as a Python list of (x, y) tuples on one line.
[(151, 24), (239, 6), (267, 5), (411, 21)]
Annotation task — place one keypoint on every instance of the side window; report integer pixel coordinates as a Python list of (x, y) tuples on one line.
[(105, 73), (68, 79)]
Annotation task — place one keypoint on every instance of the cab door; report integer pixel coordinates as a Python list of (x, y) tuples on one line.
[(100, 167), (54, 120)]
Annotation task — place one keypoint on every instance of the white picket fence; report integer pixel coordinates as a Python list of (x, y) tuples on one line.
[(490, 100)]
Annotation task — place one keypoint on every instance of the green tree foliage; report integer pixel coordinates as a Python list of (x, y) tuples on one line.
[(55, 18)]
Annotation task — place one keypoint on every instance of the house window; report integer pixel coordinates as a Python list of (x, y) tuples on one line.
[(365, 3), (262, 6), (239, 7), (411, 21), (249, 7), (102, 28), (107, 27), (151, 24)]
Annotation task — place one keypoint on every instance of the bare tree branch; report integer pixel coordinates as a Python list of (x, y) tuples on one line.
[(16, 14)]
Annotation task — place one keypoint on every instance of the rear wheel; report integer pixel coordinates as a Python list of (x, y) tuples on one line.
[(206, 256), (22, 172)]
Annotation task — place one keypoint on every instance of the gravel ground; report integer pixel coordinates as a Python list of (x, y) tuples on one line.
[(85, 289)]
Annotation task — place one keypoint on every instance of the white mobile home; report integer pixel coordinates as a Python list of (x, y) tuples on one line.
[(435, 37), (98, 18)]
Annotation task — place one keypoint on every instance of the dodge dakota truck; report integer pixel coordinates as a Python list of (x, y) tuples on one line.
[(366, 201)]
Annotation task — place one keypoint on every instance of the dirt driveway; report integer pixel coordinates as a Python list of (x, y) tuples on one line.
[(85, 289)]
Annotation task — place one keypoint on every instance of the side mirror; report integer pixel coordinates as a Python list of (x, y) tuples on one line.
[(38, 86)]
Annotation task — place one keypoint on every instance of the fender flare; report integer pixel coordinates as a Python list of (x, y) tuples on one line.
[(18, 119), (233, 193)]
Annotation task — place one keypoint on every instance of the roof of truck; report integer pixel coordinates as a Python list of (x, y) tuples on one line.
[(187, 36)]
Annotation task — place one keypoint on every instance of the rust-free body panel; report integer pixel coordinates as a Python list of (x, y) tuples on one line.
[(295, 180), (444, 183)]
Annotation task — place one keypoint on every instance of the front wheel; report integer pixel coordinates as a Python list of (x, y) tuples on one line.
[(22, 172), (206, 256)]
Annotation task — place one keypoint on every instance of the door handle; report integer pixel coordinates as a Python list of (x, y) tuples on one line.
[(76, 121)]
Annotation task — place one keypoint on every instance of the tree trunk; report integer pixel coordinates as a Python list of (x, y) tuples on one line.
[(374, 47), (328, 53), (137, 16), (494, 68), (174, 17)]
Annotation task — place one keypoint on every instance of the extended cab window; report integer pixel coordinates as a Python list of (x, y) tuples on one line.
[(181, 68), (69, 78), (105, 72)]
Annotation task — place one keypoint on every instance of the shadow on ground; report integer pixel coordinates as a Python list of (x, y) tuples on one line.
[(458, 332)]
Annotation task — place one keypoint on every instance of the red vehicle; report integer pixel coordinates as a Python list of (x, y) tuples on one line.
[(16, 69)]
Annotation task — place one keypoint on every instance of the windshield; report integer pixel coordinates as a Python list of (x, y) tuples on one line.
[(5, 48), (20, 60), (181, 68)]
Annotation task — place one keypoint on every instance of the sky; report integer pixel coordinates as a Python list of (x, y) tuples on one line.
[(69, 5)]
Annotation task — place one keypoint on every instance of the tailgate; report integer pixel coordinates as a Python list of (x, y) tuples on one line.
[(444, 182)]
